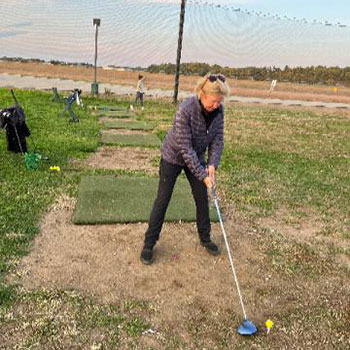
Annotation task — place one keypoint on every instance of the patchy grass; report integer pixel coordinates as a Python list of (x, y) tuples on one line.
[(286, 166), (289, 159), (65, 320)]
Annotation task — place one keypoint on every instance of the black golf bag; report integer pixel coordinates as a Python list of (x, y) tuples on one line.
[(13, 120)]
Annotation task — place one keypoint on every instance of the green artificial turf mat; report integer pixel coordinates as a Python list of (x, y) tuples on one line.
[(148, 140), (116, 114), (130, 125), (110, 108), (109, 199)]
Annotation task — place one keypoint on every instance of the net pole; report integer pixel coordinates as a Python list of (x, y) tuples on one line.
[(179, 49)]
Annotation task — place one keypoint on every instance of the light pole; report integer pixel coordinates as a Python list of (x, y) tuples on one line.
[(94, 86), (179, 48)]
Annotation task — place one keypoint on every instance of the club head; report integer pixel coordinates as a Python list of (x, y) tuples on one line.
[(247, 328)]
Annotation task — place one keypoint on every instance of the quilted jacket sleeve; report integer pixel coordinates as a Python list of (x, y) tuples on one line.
[(183, 136), (216, 146)]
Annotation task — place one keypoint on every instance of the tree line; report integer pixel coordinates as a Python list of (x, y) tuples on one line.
[(302, 75), (38, 60), (307, 75)]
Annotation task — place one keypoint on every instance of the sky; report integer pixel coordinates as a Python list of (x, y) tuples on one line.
[(336, 10), (143, 32)]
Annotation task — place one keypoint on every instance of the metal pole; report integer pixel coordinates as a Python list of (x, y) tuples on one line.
[(94, 86), (96, 34), (179, 48)]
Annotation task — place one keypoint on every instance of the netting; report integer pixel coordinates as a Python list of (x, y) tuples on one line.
[(144, 32)]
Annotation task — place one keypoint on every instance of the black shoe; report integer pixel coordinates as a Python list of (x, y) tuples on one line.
[(211, 248), (147, 256)]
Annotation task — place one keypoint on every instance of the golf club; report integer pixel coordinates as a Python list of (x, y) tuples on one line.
[(247, 327)]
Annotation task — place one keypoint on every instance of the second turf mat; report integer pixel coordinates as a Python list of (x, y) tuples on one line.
[(147, 140), (108, 200), (130, 125)]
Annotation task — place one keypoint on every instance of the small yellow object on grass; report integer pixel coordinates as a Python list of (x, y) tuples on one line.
[(55, 168), (269, 325)]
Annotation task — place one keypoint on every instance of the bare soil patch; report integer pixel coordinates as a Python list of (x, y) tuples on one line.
[(103, 260), (124, 158), (185, 288), (308, 230)]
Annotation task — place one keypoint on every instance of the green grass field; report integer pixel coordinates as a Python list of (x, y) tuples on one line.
[(292, 161), (282, 170), (25, 194)]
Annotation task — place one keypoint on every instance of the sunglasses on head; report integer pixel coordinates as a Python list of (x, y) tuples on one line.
[(215, 77)]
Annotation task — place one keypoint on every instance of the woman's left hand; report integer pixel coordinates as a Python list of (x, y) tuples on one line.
[(211, 173)]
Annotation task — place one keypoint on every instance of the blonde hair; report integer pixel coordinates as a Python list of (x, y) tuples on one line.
[(207, 87)]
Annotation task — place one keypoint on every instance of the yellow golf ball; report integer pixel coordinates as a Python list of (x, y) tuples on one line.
[(269, 324)]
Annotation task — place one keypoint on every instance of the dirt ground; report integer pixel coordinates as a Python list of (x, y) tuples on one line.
[(103, 260), (248, 88), (124, 158), (184, 287)]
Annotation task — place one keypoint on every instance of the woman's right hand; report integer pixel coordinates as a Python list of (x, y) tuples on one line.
[(209, 183)]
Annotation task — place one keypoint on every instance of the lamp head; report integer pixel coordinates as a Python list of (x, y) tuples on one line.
[(96, 21)]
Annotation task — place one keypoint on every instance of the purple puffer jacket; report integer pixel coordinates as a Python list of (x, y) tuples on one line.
[(187, 140)]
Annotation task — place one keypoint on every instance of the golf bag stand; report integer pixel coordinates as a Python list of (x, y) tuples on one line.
[(56, 97), (69, 101)]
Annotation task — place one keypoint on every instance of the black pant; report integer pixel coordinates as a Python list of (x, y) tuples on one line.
[(139, 96), (168, 174)]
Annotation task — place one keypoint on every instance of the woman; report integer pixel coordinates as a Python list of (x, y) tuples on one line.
[(198, 126), (139, 92)]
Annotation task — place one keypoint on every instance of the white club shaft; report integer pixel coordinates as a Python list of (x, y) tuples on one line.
[(230, 256)]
